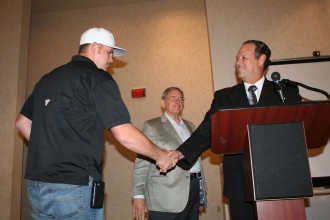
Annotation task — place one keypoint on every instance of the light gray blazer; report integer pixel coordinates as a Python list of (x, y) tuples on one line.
[(163, 192)]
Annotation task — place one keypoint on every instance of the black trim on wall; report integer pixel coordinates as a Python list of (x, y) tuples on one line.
[(323, 181), (301, 60)]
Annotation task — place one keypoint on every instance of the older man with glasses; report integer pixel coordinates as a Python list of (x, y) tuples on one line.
[(178, 194)]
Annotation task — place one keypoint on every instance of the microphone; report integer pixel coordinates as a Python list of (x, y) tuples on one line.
[(281, 84), (278, 84)]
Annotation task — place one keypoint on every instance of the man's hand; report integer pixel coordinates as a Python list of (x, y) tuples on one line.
[(201, 210), (170, 160), (165, 162), (175, 155), (139, 209)]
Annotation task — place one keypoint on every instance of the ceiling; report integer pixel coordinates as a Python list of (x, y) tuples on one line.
[(42, 6)]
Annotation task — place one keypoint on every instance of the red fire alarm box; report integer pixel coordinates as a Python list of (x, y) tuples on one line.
[(138, 93)]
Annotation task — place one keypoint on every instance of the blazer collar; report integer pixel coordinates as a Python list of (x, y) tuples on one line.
[(168, 127)]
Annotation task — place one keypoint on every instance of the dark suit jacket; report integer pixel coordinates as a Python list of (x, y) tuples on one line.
[(200, 140)]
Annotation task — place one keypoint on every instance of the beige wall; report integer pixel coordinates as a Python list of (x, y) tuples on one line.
[(292, 29), (14, 35)]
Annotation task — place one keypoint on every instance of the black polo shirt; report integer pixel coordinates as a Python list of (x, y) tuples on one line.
[(69, 108)]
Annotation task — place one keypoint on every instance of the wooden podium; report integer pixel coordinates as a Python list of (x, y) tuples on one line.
[(274, 142)]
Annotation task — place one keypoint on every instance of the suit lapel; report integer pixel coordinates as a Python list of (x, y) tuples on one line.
[(240, 98), (168, 127), (268, 94), (191, 129)]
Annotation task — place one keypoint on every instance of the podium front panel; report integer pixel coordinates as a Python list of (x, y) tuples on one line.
[(277, 162)]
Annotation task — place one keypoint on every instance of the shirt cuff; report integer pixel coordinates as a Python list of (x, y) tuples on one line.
[(138, 197)]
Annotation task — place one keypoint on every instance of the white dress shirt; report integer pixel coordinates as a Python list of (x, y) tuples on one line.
[(184, 134), (258, 84)]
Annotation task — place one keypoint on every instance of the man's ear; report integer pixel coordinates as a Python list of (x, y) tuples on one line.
[(162, 103), (93, 47), (262, 59)]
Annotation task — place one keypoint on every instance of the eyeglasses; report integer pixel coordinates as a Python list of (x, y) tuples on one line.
[(175, 99)]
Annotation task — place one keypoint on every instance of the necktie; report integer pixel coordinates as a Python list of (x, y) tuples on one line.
[(252, 95)]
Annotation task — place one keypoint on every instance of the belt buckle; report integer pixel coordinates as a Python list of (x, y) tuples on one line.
[(194, 175)]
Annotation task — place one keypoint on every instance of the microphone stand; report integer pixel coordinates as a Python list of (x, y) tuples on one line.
[(286, 81)]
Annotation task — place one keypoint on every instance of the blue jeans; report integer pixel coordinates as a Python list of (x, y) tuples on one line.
[(62, 201)]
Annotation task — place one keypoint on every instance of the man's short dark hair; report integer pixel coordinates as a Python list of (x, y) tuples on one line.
[(261, 48), (82, 48)]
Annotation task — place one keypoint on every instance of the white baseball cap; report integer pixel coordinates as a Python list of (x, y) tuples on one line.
[(101, 36)]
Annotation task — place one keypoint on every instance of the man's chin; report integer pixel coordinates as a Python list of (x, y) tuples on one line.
[(240, 75)]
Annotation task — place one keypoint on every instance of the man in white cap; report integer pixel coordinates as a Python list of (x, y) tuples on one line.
[(64, 121)]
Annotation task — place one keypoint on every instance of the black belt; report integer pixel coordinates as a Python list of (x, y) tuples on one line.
[(195, 175)]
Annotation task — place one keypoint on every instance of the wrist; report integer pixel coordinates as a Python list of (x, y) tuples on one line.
[(180, 155)]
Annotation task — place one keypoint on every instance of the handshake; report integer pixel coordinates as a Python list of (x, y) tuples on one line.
[(168, 159)]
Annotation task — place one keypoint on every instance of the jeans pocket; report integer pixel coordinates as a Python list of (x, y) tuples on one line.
[(66, 200), (33, 196)]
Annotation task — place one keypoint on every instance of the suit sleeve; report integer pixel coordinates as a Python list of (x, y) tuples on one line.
[(199, 141), (141, 167)]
